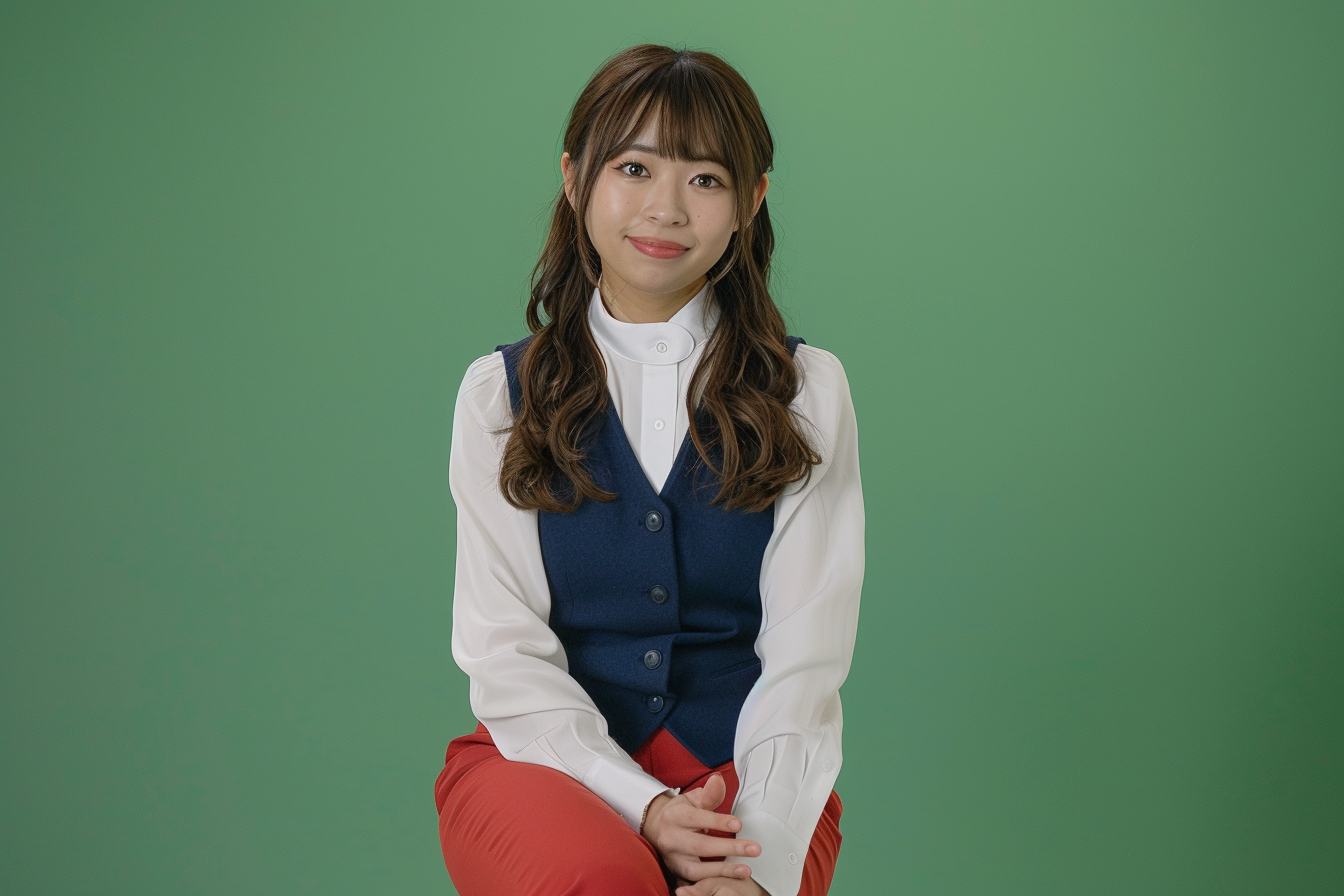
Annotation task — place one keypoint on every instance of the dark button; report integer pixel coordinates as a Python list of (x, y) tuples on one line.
[(657, 594), (653, 659), (653, 521), (655, 703)]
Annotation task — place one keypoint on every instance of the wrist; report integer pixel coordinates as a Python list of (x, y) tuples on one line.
[(649, 812), (644, 819)]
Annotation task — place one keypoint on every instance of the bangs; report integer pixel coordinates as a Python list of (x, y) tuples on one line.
[(692, 124)]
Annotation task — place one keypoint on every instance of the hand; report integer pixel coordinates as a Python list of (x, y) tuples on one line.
[(675, 824), (720, 886)]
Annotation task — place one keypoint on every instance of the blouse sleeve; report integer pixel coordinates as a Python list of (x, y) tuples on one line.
[(787, 747), (521, 688)]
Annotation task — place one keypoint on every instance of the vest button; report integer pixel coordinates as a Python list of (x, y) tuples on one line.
[(655, 703), (653, 659), (657, 594), (653, 521)]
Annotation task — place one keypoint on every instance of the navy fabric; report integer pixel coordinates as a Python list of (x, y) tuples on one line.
[(656, 596)]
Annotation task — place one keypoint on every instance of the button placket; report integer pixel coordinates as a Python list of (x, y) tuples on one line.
[(658, 409)]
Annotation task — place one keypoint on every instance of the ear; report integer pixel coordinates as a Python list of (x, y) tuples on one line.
[(567, 171), (761, 186)]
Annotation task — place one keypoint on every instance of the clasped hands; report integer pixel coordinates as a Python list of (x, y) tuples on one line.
[(676, 827)]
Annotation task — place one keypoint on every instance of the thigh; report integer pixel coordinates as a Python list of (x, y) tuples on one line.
[(517, 827)]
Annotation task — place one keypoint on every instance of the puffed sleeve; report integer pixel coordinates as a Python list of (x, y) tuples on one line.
[(787, 747), (521, 688)]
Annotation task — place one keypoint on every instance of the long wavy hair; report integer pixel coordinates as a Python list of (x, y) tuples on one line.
[(746, 378)]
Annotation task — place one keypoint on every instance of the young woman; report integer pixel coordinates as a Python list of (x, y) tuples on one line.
[(660, 529)]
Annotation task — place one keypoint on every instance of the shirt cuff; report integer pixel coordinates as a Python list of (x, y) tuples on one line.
[(779, 867), (627, 790)]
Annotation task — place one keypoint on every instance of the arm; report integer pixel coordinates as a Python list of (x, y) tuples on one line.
[(787, 748), (521, 688)]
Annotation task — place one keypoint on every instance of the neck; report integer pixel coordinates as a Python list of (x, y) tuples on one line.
[(635, 307)]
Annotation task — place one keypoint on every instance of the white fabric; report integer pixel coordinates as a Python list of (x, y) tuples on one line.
[(787, 745)]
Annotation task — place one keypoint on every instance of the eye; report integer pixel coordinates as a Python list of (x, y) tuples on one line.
[(631, 162)]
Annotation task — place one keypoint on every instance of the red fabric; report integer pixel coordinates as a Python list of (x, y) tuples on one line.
[(523, 829)]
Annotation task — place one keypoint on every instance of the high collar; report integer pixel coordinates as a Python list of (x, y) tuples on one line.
[(656, 342)]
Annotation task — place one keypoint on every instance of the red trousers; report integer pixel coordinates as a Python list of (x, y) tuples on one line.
[(522, 829)]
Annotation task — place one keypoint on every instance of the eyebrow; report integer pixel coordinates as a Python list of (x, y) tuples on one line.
[(644, 147)]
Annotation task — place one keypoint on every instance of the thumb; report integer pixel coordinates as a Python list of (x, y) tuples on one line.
[(713, 792)]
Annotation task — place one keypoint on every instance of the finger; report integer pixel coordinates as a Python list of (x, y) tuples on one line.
[(713, 847), (715, 790), (706, 819), (688, 814), (712, 886), (697, 797), (710, 795), (677, 839), (692, 870), (690, 818)]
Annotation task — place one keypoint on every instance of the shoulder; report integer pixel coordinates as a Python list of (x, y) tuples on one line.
[(484, 392), (821, 371), (823, 399)]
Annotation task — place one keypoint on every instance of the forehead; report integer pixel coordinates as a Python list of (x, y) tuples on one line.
[(682, 145), (650, 146)]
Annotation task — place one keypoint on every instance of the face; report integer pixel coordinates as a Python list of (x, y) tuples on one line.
[(641, 200)]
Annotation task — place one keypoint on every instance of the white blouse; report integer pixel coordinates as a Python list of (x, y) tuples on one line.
[(787, 746)]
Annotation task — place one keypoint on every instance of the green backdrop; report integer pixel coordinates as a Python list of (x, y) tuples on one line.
[(1083, 262)]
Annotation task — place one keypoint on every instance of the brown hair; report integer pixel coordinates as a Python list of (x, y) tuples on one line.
[(746, 377)]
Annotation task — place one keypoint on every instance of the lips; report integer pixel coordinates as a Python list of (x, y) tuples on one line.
[(661, 244)]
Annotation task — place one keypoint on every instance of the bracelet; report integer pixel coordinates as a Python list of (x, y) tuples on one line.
[(645, 817)]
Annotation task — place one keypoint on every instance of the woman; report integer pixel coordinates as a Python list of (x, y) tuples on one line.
[(660, 529)]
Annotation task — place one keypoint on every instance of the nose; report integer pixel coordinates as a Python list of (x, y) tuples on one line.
[(665, 203)]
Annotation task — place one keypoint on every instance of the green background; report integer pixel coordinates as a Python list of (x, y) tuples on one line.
[(1084, 265)]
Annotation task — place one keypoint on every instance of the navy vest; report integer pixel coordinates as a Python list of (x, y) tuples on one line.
[(656, 595)]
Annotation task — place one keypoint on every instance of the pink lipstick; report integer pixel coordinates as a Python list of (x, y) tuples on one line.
[(658, 248)]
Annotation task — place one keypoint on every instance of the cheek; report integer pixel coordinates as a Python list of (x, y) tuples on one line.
[(717, 217), (716, 228), (606, 213)]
